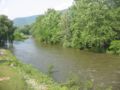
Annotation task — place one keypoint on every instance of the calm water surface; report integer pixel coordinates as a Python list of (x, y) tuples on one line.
[(104, 69)]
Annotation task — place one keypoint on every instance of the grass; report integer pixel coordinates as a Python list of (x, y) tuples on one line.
[(15, 82)]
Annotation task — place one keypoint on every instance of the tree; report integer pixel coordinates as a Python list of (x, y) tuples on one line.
[(25, 29), (6, 30), (88, 24), (91, 26), (47, 27)]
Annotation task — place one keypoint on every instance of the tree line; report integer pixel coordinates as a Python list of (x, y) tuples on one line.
[(87, 24)]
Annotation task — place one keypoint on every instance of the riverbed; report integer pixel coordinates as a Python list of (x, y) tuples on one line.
[(102, 69)]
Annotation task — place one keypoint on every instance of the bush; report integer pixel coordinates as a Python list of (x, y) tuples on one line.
[(114, 47), (19, 36)]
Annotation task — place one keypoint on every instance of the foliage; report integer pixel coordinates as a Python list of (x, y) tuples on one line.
[(88, 24), (25, 29), (6, 30), (22, 33), (18, 36), (46, 28), (115, 47)]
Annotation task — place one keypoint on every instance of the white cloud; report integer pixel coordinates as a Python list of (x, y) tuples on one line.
[(21, 8)]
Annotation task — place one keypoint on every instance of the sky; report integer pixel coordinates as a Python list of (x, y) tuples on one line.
[(23, 8)]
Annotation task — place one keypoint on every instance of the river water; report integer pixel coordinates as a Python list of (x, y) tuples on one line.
[(103, 69)]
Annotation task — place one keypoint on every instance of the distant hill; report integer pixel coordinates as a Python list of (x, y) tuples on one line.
[(25, 20), (29, 20)]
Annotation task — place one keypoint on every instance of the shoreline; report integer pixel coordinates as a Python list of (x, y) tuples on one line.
[(32, 78)]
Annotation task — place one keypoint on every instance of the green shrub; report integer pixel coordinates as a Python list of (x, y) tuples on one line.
[(19, 36), (114, 47)]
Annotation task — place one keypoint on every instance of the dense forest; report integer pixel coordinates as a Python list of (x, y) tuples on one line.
[(87, 24)]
